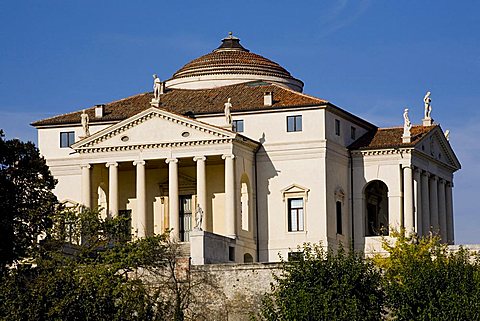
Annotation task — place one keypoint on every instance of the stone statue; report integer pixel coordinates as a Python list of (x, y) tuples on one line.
[(228, 115), (157, 87), (428, 107), (198, 218), (447, 134), (85, 120)]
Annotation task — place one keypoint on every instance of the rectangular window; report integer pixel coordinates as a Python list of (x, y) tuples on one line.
[(337, 127), (125, 230), (238, 126), (295, 214), (353, 134), (294, 123), (295, 256), (339, 217), (231, 253), (67, 139)]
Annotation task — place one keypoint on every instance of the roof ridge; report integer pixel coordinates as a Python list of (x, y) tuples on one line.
[(297, 92)]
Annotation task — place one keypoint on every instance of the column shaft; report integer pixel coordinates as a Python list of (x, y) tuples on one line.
[(112, 189), (202, 188), (442, 210), (173, 200), (408, 218), (449, 201), (229, 195), (86, 186), (434, 204), (425, 204), (141, 199), (417, 192)]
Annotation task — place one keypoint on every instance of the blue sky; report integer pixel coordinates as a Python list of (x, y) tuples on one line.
[(372, 58)]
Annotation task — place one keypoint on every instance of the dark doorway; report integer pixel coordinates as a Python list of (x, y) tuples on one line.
[(185, 217)]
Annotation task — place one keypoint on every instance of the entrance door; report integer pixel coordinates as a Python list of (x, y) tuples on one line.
[(185, 217)]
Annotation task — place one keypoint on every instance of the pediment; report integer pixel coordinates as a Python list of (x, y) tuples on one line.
[(295, 190), (153, 127), (436, 146)]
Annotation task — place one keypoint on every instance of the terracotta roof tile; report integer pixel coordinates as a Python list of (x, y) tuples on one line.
[(380, 138), (244, 97)]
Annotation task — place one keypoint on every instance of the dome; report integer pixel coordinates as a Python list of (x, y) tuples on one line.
[(230, 64)]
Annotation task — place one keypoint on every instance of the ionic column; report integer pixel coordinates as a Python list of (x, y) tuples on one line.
[(425, 203), (229, 195), (450, 230), (434, 204), (141, 199), (408, 218), (112, 188), (442, 210), (173, 201), (86, 185), (417, 193), (202, 187)]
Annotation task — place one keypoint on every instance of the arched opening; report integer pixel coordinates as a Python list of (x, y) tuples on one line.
[(102, 200), (376, 202), (244, 201), (247, 258)]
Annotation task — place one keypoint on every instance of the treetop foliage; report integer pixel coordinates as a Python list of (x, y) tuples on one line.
[(26, 199)]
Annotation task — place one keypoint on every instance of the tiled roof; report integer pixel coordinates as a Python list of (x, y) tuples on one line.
[(244, 97), (390, 138), (231, 62)]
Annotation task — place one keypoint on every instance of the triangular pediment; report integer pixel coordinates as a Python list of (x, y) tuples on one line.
[(435, 145), (296, 190), (154, 127)]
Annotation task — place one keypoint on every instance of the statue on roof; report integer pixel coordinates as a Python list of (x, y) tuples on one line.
[(157, 87), (85, 120), (228, 115), (198, 218), (428, 107), (407, 125)]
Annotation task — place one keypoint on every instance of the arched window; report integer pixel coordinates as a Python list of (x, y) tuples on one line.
[(376, 199), (244, 200), (247, 258)]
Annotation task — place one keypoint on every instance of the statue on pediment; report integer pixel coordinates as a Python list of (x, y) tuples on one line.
[(428, 107), (85, 123), (157, 87), (228, 114), (407, 125)]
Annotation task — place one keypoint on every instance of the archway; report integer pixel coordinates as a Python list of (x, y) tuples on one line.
[(376, 209)]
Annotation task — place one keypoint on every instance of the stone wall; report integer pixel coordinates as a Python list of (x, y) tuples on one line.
[(232, 291)]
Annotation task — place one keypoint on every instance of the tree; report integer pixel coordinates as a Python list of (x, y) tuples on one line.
[(323, 285), (84, 271), (423, 280), (26, 199)]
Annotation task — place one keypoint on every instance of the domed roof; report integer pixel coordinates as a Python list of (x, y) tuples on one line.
[(228, 64)]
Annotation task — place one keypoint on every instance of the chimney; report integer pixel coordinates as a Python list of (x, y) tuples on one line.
[(99, 110), (268, 98)]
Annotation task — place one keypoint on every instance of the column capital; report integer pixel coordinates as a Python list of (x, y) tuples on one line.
[(433, 177), (85, 165), (201, 158), (171, 160), (108, 164), (449, 184), (442, 181), (225, 156), (139, 162), (417, 169)]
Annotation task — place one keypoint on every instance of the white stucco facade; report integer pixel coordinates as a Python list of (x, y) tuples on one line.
[(299, 171)]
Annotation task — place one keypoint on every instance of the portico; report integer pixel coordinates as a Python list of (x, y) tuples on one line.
[(159, 184)]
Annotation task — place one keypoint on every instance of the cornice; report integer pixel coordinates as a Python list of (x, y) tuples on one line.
[(89, 150), (376, 152)]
